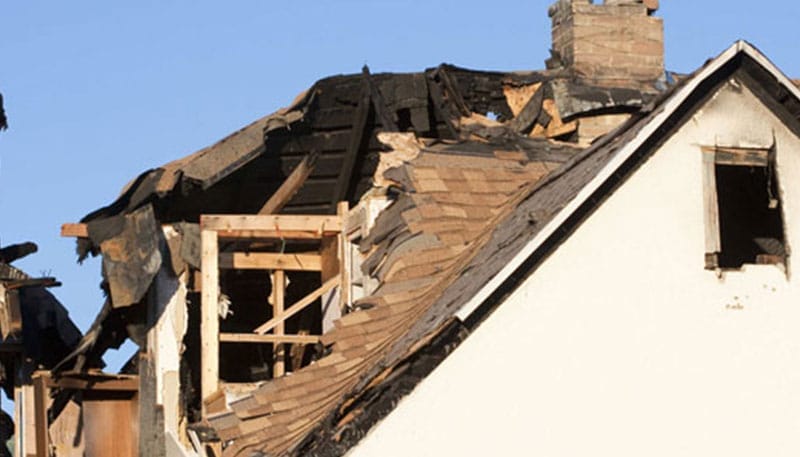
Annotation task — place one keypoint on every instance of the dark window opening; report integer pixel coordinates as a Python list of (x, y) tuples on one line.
[(750, 216)]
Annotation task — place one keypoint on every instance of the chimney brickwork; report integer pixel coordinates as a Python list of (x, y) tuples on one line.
[(614, 44)]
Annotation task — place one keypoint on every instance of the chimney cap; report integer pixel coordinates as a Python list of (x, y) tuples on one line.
[(651, 5)]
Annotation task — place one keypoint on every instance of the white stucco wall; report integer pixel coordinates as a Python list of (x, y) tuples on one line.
[(621, 343)]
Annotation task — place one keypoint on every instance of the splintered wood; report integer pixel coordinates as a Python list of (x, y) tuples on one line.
[(518, 97)]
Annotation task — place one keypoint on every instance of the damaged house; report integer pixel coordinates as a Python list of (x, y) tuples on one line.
[(595, 256)]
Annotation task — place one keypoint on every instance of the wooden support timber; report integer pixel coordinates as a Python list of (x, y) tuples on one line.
[(209, 315), (41, 394), (341, 190), (291, 185), (278, 299), (256, 338), (270, 261), (74, 230), (297, 307), (271, 226), (326, 229)]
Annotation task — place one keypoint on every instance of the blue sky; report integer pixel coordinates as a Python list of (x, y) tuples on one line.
[(97, 92)]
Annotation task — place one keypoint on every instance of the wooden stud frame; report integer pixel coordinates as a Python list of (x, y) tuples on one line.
[(209, 314), (213, 228)]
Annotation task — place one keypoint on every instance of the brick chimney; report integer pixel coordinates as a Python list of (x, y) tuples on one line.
[(615, 44)]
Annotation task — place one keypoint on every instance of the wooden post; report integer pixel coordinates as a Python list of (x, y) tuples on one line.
[(209, 316), (40, 397), (344, 268), (711, 211), (278, 295)]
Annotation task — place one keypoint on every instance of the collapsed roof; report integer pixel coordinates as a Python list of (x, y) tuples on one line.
[(501, 132), (488, 162), (463, 214)]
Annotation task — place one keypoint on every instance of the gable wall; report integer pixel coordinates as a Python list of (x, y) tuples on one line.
[(621, 343)]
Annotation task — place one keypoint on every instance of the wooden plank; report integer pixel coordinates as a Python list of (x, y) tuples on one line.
[(530, 112), (123, 384), (329, 256), (710, 206), (270, 234), (209, 315), (453, 92), (561, 130), (269, 338), (383, 114), (291, 185), (279, 291), (327, 142), (343, 210), (40, 400), (111, 426), (32, 282), (277, 226), (340, 192), (270, 261), (329, 164), (297, 307), (444, 109), (75, 230), (749, 157)]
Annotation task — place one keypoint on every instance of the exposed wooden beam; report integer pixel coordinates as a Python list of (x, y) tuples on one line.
[(75, 230), (343, 209), (442, 106), (270, 261), (387, 121), (256, 338), (453, 93), (279, 297), (40, 401), (297, 307), (291, 185), (270, 234), (130, 384), (271, 226), (354, 145), (32, 282), (749, 157), (710, 210), (209, 315), (530, 112)]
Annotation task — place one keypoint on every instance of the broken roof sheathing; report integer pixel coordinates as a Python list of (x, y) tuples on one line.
[(338, 118), (450, 203), (466, 228)]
